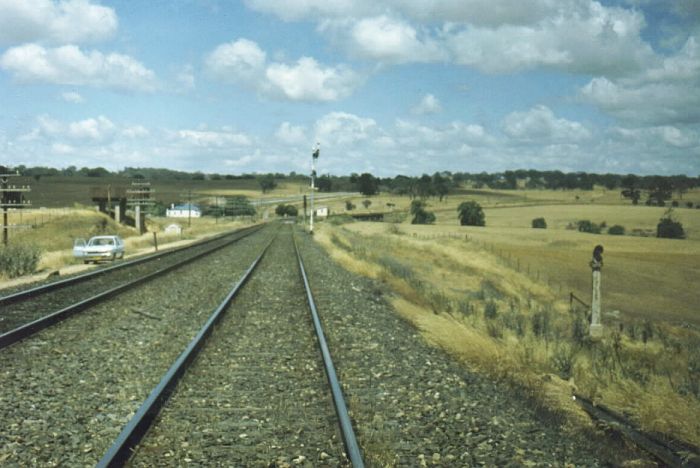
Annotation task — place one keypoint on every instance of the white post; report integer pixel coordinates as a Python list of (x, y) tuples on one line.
[(596, 329), (314, 157)]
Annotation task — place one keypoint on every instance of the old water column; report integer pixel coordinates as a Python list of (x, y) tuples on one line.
[(596, 329)]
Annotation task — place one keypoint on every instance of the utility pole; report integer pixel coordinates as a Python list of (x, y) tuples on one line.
[(596, 264), (314, 157)]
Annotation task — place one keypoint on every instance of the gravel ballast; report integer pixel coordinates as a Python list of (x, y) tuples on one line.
[(66, 392), (257, 393)]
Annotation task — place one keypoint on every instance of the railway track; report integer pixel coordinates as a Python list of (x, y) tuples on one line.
[(66, 392), (257, 394), (26, 312), (663, 450)]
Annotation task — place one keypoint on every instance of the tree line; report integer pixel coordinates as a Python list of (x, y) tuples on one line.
[(657, 189)]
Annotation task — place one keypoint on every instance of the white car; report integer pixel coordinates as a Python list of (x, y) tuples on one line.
[(99, 248)]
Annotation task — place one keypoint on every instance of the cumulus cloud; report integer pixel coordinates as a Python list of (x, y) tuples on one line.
[(495, 36), (540, 123), (429, 104), (69, 65), (58, 22), (95, 129), (244, 62), (666, 94), (241, 60), (591, 39), (291, 134), (342, 128), (387, 39), (486, 12)]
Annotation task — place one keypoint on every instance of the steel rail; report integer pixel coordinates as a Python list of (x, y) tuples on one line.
[(31, 328), (120, 451), (651, 444), (33, 292), (341, 409)]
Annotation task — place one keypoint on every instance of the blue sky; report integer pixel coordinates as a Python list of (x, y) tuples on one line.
[(390, 87)]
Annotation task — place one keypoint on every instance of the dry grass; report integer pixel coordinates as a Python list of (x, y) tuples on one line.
[(449, 280), (56, 229)]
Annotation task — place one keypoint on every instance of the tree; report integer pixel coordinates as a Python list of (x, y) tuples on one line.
[(324, 184), (616, 230), (440, 185), (420, 214), (630, 188), (539, 223), (267, 183), (585, 225), (423, 217), (286, 210), (367, 184), (471, 214), (366, 203), (669, 228), (349, 206)]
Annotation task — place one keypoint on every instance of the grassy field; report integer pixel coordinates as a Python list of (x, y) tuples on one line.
[(498, 298)]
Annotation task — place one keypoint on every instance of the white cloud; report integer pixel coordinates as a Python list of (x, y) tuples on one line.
[(591, 39), (135, 131), (72, 97), (68, 65), (666, 94), (495, 36), (291, 134), (341, 128), (429, 104), (307, 80), (540, 123), (62, 149), (93, 129), (392, 41), (58, 22), (213, 138), (486, 12), (243, 62)]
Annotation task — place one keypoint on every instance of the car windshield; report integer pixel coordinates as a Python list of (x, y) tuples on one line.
[(101, 241)]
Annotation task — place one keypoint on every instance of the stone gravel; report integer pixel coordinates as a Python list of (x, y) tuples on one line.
[(411, 403), (257, 394), (66, 392)]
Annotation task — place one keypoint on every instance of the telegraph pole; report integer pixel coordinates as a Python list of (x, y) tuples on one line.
[(314, 157)]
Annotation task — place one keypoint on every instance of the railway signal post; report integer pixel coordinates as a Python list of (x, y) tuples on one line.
[(596, 264), (314, 157)]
